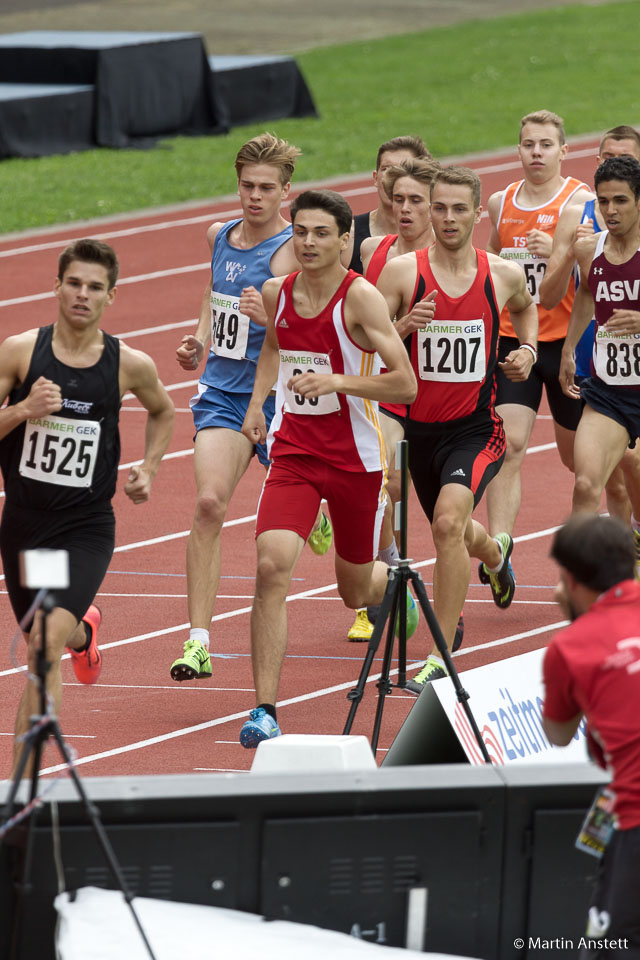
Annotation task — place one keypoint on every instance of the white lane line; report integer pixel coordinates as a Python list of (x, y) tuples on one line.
[(161, 328), (305, 697), (197, 688)]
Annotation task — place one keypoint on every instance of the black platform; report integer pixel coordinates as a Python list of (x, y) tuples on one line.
[(256, 89), (62, 91), (40, 119), (145, 84)]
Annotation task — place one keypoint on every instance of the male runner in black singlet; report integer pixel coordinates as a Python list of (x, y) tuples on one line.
[(381, 221), (59, 452)]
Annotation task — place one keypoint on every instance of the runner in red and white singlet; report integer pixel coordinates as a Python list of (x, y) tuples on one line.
[(326, 327), (448, 299), (610, 286)]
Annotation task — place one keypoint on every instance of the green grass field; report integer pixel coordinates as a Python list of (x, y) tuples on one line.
[(462, 88)]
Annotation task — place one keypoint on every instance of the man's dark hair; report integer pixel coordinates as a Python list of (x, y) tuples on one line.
[(90, 251), (326, 200), (622, 168), (598, 551)]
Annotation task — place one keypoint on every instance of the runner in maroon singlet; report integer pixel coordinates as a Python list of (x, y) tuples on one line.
[(610, 285)]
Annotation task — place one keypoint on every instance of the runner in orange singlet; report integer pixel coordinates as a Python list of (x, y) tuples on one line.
[(523, 218)]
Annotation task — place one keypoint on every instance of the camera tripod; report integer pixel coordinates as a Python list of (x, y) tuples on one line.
[(42, 726), (393, 609)]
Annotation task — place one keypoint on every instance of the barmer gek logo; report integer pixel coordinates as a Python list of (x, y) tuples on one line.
[(234, 270)]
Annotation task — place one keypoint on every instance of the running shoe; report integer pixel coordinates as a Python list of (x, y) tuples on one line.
[(412, 616), (260, 726), (431, 671), (459, 637), (322, 537), (87, 664), (503, 584), (195, 664), (362, 627)]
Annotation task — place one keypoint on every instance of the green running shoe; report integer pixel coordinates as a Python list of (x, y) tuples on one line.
[(322, 537), (195, 664), (413, 615), (432, 670), (503, 584)]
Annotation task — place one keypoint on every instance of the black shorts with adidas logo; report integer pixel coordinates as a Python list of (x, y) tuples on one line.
[(468, 451)]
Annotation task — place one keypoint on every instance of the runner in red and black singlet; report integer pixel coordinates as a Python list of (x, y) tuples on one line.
[(407, 187), (325, 329), (609, 287), (448, 299)]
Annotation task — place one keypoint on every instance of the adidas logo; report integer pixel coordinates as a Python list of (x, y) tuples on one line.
[(283, 323), (458, 473)]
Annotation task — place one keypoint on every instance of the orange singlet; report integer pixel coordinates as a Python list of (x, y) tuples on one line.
[(514, 223)]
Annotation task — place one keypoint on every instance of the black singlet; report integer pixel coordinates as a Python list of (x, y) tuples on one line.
[(70, 458)]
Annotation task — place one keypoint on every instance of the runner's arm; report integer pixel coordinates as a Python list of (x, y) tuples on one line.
[(493, 209), (524, 317), (559, 270), (193, 345), (139, 375), (369, 325), (254, 426), (45, 396)]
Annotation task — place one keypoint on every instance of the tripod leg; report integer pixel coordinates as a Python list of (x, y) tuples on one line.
[(436, 633), (389, 603), (93, 815), (384, 684)]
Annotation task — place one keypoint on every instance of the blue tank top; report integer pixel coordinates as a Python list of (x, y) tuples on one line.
[(236, 340), (584, 348)]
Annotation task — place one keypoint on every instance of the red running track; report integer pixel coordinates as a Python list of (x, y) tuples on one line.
[(136, 720)]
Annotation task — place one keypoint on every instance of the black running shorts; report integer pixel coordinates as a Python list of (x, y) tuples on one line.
[(618, 403), (88, 538), (545, 371), (468, 451)]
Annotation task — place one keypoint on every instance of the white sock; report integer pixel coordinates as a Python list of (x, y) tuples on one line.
[(199, 633), (438, 660), (635, 524), (501, 564), (390, 555)]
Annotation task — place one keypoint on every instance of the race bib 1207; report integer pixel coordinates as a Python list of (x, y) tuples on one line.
[(452, 351)]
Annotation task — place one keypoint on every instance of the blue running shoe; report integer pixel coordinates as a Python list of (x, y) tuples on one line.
[(260, 726)]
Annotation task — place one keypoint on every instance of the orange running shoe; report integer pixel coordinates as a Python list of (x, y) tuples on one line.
[(88, 663)]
